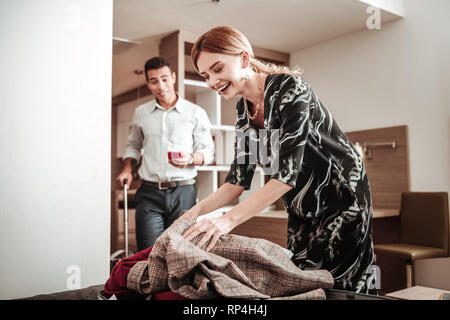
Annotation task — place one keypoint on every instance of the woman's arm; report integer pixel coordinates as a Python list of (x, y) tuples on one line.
[(215, 227), (260, 200), (218, 199)]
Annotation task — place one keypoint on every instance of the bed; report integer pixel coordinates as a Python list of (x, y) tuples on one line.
[(92, 293)]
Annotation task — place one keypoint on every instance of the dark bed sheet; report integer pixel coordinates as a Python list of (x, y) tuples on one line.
[(91, 293)]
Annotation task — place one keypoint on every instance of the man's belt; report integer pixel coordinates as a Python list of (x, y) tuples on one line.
[(168, 184)]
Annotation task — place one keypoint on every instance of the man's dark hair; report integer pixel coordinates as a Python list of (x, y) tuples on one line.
[(156, 63)]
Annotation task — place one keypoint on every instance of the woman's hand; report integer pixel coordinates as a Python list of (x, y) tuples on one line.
[(190, 214), (212, 228)]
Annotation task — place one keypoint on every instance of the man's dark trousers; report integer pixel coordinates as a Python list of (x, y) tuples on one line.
[(157, 209)]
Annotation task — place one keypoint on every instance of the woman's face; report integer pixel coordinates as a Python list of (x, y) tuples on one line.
[(223, 73)]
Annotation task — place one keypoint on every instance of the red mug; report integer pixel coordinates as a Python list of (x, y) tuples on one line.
[(173, 154)]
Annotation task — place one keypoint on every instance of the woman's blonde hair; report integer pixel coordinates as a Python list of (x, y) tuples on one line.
[(228, 40)]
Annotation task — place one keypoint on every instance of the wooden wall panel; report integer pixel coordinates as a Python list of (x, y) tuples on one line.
[(388, 173), (271, 226), (388, 169), (169, 49)]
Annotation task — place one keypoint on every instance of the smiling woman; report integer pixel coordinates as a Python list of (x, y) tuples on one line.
[(228, 54), (313, 165)]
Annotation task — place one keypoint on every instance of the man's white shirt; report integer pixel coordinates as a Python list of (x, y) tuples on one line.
[(154, 131)]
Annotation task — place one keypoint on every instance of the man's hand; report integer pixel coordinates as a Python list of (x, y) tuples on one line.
[(184, 160), (125, 174)]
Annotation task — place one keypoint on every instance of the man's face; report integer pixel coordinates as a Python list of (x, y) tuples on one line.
[(161, 83)]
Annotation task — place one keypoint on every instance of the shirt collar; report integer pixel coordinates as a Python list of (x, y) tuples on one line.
[(178, 105)]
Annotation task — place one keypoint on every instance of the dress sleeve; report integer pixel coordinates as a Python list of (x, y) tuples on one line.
[(243, 166), (294, 101)]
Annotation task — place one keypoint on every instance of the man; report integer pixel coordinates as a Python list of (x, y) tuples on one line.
[(168, 124)]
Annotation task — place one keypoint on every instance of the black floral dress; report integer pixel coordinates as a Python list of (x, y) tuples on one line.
[(329, 207)]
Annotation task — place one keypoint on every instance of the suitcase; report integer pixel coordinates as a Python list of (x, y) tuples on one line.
[(122, 253)]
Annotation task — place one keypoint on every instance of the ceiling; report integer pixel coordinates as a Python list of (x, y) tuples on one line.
[(283, 25)]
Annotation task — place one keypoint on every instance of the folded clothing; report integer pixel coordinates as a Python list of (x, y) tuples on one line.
[(116, 284), (236, 267)]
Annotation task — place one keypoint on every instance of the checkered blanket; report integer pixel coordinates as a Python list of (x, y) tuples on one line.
[(237, 267)]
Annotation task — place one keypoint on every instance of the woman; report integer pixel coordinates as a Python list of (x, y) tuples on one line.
[(312, 164)]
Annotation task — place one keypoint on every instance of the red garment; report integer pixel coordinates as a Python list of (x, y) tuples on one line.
[(117, 282), (167, 295)]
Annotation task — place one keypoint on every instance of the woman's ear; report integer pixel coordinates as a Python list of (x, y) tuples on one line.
[(245, 59)]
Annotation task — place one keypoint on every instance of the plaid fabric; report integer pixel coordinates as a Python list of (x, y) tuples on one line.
[(237, 267)]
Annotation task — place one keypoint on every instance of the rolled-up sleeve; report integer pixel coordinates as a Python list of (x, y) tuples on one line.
[(135, 140), (203, 141), (294, 106)]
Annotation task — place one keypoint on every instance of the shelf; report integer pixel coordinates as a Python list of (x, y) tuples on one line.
[(213, 168), (385, 213), (220, 111), (282, 214), (216, 213), (222, 127), (200, 94), (223, 168), (269, 212), (195, 83)]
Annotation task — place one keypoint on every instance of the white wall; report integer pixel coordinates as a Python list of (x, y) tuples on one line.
[(398, 75), (55, 133)]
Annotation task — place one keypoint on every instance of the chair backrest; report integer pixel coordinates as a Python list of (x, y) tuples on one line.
[(424, 219)]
